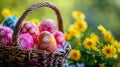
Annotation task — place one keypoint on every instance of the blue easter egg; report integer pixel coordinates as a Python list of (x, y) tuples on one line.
[(10, 22)]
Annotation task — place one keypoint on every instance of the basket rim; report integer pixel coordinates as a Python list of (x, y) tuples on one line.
[(34, 50)]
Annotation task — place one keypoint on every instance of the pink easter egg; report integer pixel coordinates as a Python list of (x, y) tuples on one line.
[(31, 28), (6, 36), (46, 41), (48, 25), (26, 41), (59, 37)]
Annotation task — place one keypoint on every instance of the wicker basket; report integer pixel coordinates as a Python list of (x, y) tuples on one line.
[(15, 57)]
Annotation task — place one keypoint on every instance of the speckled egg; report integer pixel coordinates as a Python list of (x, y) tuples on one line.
[(48, 25), (10, 22), (60, 39), (5, 36), (26, 41), (31, 28), (46, 41)]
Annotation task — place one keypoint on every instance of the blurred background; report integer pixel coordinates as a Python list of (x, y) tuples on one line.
[(104, 12)]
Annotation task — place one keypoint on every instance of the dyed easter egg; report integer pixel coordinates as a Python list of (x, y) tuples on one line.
[(10, 22), (5, 36), (59, 37), (26, 41), (46, 41), (48, 25), (31, 28)]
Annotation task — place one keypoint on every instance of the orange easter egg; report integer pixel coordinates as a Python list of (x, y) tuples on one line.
[(47, 42)]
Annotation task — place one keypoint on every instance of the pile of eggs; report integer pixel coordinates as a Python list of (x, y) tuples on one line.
[(42, 37)]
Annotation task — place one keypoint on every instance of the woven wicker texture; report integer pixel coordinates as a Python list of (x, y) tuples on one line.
[(13, 56)]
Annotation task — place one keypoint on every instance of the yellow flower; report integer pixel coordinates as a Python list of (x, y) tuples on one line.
[(75, 54), (101, 65), (112, 41), (101, 29), (108, 36), (78, 15), (35, 21), (109, 51), (81, 25), (75, 26), (89, 43), (67, 36), (73, 31), (94, 36), (117, 44), (6, 13)]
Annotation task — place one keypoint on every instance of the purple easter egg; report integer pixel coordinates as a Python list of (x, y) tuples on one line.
[(26, 41), (5, 36)]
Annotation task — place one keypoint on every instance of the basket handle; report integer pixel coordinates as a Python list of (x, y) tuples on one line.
[(28, 11)]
